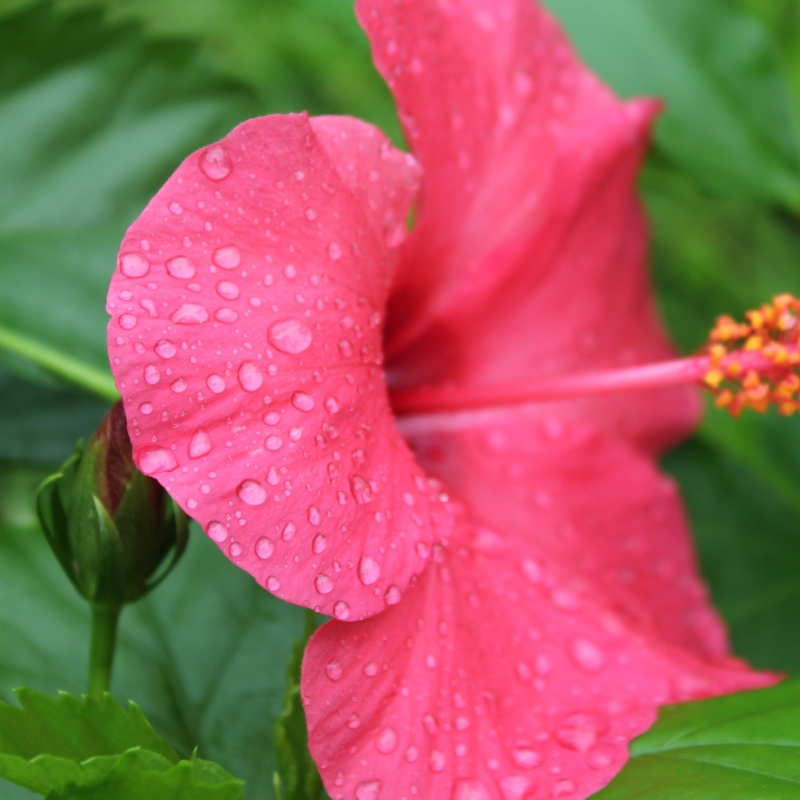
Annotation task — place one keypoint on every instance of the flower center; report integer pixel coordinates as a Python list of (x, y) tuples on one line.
[(752, 364)]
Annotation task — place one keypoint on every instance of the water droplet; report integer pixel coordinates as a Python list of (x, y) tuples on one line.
[(181, 267), (235, 549), (523, 671), (361, 489), (470, 790), (179, 385), (323, 584), (273, 584), (273, 418), (200, 444), (216, 383), (341, 610), (190, 314), (128, 321), (133, 265), (273, 479), (587, 655), (392, 596), (369, 790), (215, 162), (319, 544), (525, 758), (600, 760), (250, 377), (368, 570), (411, 754), (314, 516), (227, 257), (371, 669), (228, 289), (387, 741), (430, 661), (264, 548), (302, 401), (332, 404), (165, 348), (226, 315), (462, 723), (333, 670), (289, 530), (430, 724), (217, 532), (563, 789), (311, 215), (334, 251), (273, 443), (345, 348), (580, 732), (151, 374), (290, 336), (531, 570), (153, 460), (516, 787), (437, 761), (146, 408), (290, 271), (252, 493)]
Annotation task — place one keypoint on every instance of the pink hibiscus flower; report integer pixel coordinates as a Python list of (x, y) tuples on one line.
[(513, 581)]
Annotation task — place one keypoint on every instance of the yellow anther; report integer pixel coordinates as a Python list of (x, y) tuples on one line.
[(714, 378), (754, 343), (717, 353), (756, 319)]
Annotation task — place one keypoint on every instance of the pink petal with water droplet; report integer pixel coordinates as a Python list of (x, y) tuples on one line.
[(529, 211), (473, 728), (258, 378)]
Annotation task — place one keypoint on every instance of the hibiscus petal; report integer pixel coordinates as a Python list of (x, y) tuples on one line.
[(486, 683), (587, 500), (529, 209), (246, 342)]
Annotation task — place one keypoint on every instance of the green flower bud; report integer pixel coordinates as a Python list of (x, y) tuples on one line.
[(115, 532)]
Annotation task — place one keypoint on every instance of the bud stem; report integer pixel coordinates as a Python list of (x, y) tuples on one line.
[(101, 654)]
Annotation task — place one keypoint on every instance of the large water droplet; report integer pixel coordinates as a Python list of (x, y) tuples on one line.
[(151, 374), (289, 530), (437, 761), (333, 670), (369, 790), (314, 516), (252, 493), (470, 790), (181, 267), (128, 321), (190, 314), (526, 758), (289, 336), (392, 596), (200, 444), (387, 741), (264, 548), (133, 265), (361, 489), (153, 460), (302, 401), (273, 443), (580, 732), (226, 315), (216, 383), (341, 610), (368, 570), (217, 531), (179, 385), (323, 584), (228, 289), (215, 162), (227, 257), (250, 377), (319, 544), (332, 404), (587, 655), (165, 348)]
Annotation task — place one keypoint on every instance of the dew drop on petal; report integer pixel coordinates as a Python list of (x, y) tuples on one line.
[(587, 655), (181, 267), (151, 374), (341, 610), (252, 493), (273, 584), (264, 548), (334, 251), (368, 570), (600, 760), (250, 377), (273, 443), (200, 444), (437, 761), (153, 460), (392, 596), (580, 732), (361, 489), (516, 787), (190, 314), (227, 257), (411, 754), (226, 315), (289, 530), (217, 531), (165, 348), (133, 265), (319, 544), (128, 321), (289, 336), (178, 385), (371, 669), (146, 408), (332, 404), (387, 741), (333, 670), (216, 383), (228, 290), (470, 790), (302, 401), (525, 758), (368, 790), (215, 162), (314, 517), (323, 584)]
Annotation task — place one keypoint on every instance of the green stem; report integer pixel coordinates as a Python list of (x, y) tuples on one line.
[(94, 380), (101, 654)]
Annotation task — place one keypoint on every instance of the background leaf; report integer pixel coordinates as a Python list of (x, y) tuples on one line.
[(741, 747)]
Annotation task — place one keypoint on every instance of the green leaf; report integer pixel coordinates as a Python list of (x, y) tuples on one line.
[(741, 747), (204, 656), (43, 743), (93, 118), (729, 118), (297, 777)]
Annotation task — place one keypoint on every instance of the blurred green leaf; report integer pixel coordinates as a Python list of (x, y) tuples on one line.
[(729, 118), (204, 656), (296, 777), (741, 747)]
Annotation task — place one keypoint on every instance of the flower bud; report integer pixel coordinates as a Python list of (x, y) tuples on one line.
[(111, 527)]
